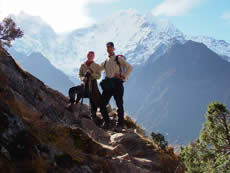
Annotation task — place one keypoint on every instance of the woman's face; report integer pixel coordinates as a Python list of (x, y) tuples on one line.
[(91, 56)]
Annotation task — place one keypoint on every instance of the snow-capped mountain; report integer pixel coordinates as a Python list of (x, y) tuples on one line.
[(221, 47), (38, 35), (135, 35)]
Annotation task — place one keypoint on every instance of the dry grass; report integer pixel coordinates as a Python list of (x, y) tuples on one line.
[(46, 132), (57, 136), (17, 106), (170, 161), (129, 123)]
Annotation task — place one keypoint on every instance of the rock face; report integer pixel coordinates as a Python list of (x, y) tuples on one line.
[(38, 134)]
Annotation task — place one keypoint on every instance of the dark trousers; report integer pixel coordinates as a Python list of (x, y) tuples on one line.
[(117, 92), (83, 91)]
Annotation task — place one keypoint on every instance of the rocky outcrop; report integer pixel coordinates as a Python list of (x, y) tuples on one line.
[(37, 133)]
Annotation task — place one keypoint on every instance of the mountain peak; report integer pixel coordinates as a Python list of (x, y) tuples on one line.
[(136, 35), (32, 24), (132, 16)]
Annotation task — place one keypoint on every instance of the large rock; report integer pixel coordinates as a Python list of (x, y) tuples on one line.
[(94, 131)]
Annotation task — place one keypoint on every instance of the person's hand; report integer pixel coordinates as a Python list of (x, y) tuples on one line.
[(119, 76), (85, 79), (90, 71)]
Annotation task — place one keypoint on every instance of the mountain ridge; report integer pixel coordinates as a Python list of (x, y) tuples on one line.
[(176, 88), (135, 35)]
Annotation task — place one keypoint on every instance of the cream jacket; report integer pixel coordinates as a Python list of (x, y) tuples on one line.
[(111, 67), (94, 67)]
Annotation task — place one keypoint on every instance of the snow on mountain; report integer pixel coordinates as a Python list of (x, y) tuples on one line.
[(135, 35), (221, 47), (38, 35)]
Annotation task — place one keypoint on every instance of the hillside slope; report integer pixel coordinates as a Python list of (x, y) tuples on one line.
[(37, 134)]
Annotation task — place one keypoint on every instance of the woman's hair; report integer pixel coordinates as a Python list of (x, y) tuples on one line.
[(90, 52)]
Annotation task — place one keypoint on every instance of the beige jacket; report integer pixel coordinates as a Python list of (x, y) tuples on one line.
[(113, 68), (94, 67)]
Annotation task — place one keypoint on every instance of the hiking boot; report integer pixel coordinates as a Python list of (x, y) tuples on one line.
[(118, 128)]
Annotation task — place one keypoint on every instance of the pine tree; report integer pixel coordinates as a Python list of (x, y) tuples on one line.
[(9, 32), (211, 152)]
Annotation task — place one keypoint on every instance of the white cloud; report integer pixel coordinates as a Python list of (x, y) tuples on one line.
[(174, 7), (226, 16), (62, 15)]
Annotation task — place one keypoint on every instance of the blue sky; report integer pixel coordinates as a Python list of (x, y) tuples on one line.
[(192, 17)]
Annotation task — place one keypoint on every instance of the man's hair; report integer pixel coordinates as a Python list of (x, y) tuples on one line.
[(110, 44)]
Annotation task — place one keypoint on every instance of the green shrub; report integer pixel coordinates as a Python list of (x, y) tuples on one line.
[(159, 139)]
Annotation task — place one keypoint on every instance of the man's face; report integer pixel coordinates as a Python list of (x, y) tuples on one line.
[(110, 49), (91, 56)]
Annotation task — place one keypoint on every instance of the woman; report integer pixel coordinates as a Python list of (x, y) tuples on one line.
[(89, 73)]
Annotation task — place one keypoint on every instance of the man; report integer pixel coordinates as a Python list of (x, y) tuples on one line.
[(89, 73), (112, 85)]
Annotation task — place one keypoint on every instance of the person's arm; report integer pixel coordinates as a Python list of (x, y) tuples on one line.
[(128, 66), (96, 72), (102, 66), (81, 73)]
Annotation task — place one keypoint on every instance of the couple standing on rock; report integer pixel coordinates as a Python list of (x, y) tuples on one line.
[(116, 70)]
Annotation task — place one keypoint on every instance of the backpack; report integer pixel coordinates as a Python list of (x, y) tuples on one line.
[(123, 69)]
